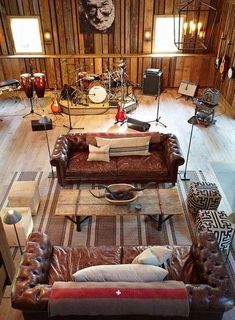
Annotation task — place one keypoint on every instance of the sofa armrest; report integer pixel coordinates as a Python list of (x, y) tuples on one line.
[(60, 156), (30, 286), (173, 155), (215, 291)]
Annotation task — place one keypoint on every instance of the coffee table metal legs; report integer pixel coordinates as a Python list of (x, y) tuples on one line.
[(78, 221), (160, 220)]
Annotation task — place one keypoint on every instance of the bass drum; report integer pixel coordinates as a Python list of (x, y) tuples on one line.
[(96, 92)]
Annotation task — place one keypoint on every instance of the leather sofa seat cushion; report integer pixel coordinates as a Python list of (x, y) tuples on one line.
[(66, 261), (80, 167), (151, 165), (180, 266)]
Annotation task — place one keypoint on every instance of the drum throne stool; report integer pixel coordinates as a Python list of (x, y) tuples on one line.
[(24, 194), (203, 196), (216, 222)]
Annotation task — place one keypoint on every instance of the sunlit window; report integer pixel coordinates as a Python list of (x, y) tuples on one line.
[(164, 33), (26, 34)]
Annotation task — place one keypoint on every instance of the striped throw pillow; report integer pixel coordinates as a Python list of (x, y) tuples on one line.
[(136, 146), (98, 153)]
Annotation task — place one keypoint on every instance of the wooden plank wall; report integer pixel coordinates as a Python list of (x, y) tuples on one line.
[(97, 52)]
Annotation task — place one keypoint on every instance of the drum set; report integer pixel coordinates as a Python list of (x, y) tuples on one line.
[(29, 83), (97, 89)]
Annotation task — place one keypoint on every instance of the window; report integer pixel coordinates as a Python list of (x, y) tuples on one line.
[(26, 34), (163, 34)]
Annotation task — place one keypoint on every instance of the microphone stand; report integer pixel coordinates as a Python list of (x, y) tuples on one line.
[(157, 120)]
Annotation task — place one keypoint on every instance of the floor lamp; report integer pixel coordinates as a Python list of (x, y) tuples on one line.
[(45, 120), (193, 120), (11, 218)]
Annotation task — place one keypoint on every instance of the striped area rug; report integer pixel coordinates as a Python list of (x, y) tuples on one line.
[(121, 230)]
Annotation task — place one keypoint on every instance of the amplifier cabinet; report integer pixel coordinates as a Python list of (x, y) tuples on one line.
[(152, 82)]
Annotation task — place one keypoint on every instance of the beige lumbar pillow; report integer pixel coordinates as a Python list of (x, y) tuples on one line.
[(134, 146), (156, 256), (98, 153), (121, 272)]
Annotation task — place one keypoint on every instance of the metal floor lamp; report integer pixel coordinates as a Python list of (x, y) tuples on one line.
[(11, 218), (193, 120), (45, 120)]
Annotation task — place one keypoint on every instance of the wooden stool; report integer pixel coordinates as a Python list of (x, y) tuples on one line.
[(24, 194), (24, 227)]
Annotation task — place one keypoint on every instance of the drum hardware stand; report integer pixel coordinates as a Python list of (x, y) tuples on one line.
[(32, 110), (158, 105), (70, 127)]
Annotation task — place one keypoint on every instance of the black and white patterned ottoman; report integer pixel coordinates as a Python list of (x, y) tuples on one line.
[(203, 196), (215, 222)]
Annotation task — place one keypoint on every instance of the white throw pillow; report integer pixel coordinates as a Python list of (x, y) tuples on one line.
[(98, 153), (156, 255), (121, 272), (136, 146)]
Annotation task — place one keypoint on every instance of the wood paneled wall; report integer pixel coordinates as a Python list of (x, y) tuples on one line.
[(97, 52)]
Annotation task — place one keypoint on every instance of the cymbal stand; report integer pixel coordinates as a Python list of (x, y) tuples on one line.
[(158, 103), (121, 115), (70, 127)]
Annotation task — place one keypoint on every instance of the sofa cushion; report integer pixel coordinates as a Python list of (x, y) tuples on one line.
[(152, 165), (155, 255), (78, 166), (126, 146), (121, 272), (66, 261), (98, 153)]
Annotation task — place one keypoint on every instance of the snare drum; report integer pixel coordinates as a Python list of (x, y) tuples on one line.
[(39, 84), (26, 82), (96, 92)]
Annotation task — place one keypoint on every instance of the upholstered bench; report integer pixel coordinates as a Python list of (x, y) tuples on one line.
[(215, 222), (24, 194), (203, 196)]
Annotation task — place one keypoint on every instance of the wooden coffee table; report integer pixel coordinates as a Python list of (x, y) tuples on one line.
[(160, 204)]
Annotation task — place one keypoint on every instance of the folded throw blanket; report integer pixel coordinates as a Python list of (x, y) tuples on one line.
[(166, 298)]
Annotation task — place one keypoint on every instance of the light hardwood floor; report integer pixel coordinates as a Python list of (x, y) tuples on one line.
[(25, 150)]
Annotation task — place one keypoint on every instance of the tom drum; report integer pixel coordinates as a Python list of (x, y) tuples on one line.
[(96, 92), (39, 84), (26, 82)]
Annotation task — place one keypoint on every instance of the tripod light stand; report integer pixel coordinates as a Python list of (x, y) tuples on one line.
[(45, 120), (193, 120), (11, 218), (158, 101)]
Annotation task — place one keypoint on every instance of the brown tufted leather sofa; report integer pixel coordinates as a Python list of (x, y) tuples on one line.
[(200, 266), (71, 152)]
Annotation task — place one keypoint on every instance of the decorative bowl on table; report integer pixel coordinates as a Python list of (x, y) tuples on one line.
[(121, 194)]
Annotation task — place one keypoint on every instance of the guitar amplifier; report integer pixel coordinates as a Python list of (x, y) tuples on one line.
[(137, 124), (211, 96), (36, 126), (152, 82)]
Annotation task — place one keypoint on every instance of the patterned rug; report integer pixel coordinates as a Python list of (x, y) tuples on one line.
[(121, 230)]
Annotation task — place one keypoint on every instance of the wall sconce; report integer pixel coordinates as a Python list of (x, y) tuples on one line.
[(47, 37), (147, 35)]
